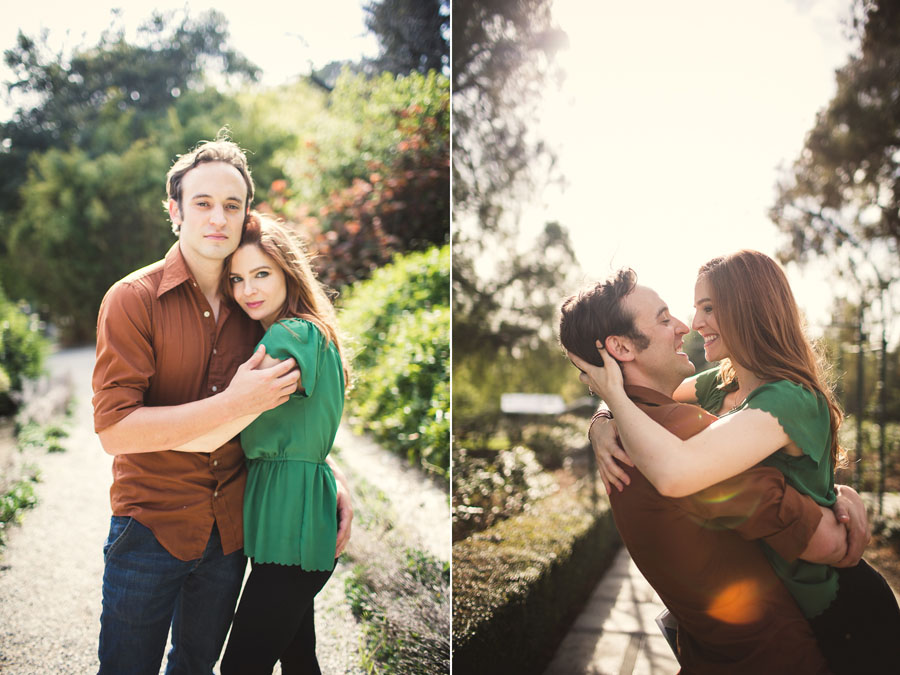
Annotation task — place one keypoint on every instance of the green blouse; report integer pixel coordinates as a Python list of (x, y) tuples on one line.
[(806, 420), (290, 502)]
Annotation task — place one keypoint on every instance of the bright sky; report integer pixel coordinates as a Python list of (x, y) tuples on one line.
[(671, 126), (281, 37)]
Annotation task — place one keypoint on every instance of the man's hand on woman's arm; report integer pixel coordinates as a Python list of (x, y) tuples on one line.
[(344, 506), (850, 511), (843, 532), (605, 443)]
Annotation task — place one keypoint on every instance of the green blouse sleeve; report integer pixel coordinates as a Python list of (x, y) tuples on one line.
[(300, 340), (709, 396), (803, 415)]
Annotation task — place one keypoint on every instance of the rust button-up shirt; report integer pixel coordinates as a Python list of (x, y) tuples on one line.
[(734, 615), (158, 344)]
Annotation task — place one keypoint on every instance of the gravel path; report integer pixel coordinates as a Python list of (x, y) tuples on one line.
[(52, 567)]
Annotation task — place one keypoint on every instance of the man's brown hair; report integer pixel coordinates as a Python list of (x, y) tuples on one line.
[(220, 150), (595, 313)]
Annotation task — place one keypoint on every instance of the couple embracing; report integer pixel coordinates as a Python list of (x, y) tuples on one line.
[(218, 389), (724, 491)]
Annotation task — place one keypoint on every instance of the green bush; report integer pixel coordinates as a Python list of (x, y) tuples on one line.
[(17, 498), (490, 486), (22, 351), (399, 321)]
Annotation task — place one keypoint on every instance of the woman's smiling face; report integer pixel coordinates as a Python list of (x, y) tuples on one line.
[(257, 284), (704, 322)]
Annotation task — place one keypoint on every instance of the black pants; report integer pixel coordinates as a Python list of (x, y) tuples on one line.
[(860, 630), (274, 621)]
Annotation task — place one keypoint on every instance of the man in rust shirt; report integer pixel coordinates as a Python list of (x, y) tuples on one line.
[(734, 614), (174, 361)]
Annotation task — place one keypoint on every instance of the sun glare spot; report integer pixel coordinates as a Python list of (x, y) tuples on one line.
[(739, 603)]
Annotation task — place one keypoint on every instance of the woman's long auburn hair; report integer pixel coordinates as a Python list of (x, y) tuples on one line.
[(306, 297), (761, 325)]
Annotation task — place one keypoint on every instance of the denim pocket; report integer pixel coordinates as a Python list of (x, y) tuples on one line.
[(119, 526)]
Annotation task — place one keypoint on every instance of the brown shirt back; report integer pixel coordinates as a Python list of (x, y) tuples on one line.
[(159, 344), (734, 614)]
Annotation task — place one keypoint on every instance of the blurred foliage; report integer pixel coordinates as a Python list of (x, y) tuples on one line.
[(68, 100), (506, 289), (372, 175), (22, 352), (400, 320), (842, 348), (841, 199), (482, 377), (490, 486), (414, 35), (364, 171), (17, 498), (870, 467)]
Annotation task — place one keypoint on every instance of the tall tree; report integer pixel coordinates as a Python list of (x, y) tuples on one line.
[(414, 34), (842, 196), (505, 292), (502, 57)]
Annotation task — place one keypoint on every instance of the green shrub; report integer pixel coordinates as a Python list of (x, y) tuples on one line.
[(22, 351), (18, 497), (490, 486), (399, 321)]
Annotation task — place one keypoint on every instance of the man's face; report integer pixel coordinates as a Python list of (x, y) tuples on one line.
[(213, 206), (663, 361)]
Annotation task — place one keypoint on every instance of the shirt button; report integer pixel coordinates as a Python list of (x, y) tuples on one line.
[(215, 351), (216, 494), (215, 462), (206, 314), (215, 388)]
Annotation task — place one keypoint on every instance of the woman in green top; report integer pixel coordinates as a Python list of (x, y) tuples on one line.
[(776, 409), (290, 501)]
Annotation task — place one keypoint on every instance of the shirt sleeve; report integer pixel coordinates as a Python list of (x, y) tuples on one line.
[(300, 340), (125, 356), (803, 415), (758, 504)]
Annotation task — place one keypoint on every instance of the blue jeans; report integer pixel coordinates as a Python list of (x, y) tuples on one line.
[(146, 589)]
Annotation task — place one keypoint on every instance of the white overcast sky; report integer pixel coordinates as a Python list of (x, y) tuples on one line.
[(670, 128), (280, 37)]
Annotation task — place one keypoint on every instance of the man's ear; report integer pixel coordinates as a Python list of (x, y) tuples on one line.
[(174, 212), (620, 348)]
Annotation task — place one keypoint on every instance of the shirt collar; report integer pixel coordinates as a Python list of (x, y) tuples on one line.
[(175, 271), (647, 396)]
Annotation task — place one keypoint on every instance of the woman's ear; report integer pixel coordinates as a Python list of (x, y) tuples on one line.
[(620, 348)]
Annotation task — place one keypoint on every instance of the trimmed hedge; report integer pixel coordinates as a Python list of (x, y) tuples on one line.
[(518, 586)]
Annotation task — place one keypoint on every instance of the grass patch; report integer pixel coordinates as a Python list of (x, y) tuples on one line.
[(400, 595)]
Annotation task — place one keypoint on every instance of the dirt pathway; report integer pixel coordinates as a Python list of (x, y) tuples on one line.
[(51, 569)]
